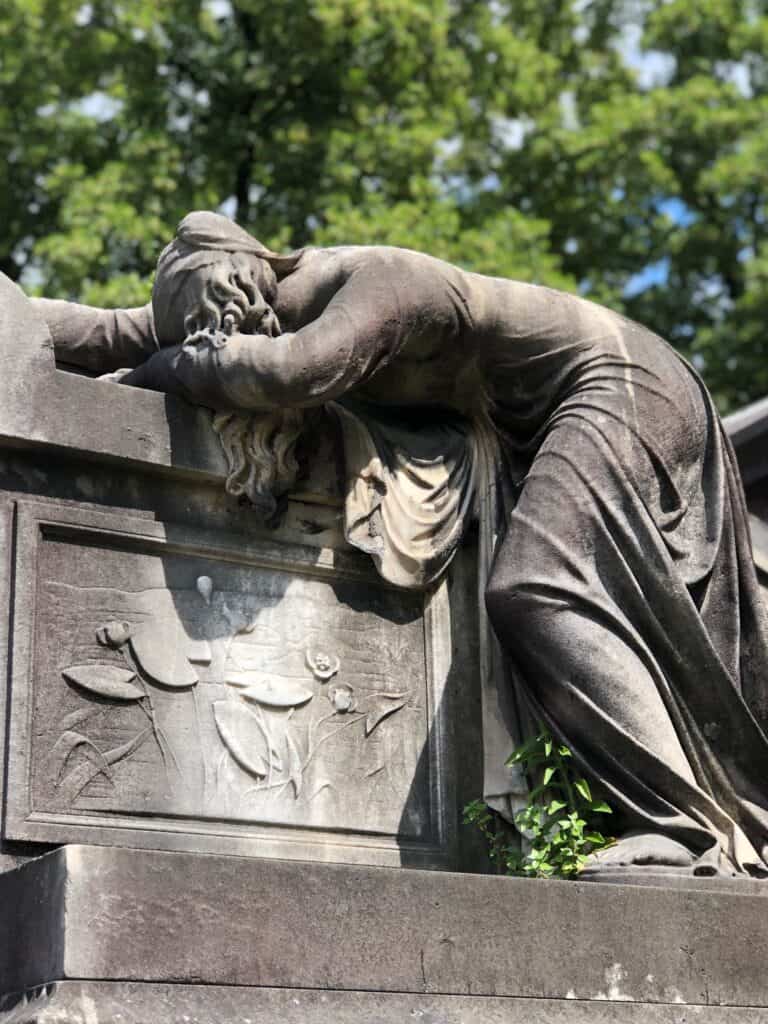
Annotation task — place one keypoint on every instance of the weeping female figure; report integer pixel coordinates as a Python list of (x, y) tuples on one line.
[(621, 588)]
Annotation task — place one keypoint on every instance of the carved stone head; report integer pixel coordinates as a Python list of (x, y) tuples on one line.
[(211, 270)]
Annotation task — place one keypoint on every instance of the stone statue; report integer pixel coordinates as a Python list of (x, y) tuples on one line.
[(622, 589)]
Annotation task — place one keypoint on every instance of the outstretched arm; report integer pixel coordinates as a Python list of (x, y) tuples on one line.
[(363, 325), (99, 340)]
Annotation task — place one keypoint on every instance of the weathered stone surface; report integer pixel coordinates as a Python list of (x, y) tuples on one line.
[(127, 915), (174, 688), (134, 1003), (658, 879), (38, 404), (81, 512)]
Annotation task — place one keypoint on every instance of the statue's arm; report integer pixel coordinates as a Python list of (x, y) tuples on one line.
[(99, 340), (361, 327)]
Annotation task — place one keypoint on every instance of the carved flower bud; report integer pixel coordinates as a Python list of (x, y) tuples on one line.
[(342, 697), (114, 634), (323, 665), (204, 587)]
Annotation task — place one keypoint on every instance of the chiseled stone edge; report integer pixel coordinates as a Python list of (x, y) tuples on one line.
[(190, 918), (73, 1002), (37, 400)]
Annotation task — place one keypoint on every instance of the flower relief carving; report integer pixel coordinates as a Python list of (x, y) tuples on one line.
[(255, 720)]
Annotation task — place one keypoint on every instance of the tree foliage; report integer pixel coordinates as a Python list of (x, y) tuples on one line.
[(614, 147)]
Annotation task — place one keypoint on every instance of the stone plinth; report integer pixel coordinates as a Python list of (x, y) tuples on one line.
[(94, 934), (181, 675)]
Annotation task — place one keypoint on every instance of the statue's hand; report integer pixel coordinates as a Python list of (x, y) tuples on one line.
[(214, 337), (213, 369), (207, 337), (117, 375)]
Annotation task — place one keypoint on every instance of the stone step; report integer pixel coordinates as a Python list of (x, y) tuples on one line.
[(428, 946)]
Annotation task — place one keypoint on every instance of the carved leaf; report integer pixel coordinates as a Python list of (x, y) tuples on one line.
[(277, 694), (66, 744), (239, 679), (381, 706), (277, 761), (118, 753), (243, 737), (107, 680), (294, 765), (199, 652), (162, 651), (78, 779), (79, 716)]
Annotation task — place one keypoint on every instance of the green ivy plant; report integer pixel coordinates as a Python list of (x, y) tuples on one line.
[(559, 821)]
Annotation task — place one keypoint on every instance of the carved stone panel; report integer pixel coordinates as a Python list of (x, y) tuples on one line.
[(179, 689)]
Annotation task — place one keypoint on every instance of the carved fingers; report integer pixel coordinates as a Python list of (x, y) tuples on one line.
[(117, 375)]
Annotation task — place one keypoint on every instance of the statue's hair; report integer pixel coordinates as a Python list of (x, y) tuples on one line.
[(238, 266), (238, 278), (203, 230), (260, 450)]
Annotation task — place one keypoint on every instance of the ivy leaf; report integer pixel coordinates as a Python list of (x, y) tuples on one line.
[(596, 838), (554, 828), (524, 752), (601, 807), (110, 681), (582, 787)]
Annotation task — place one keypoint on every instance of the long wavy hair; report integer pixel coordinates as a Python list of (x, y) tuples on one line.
[(244, 278), (259, 448)]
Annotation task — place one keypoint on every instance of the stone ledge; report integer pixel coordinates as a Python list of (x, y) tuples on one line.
[(83, 913), (67, 415), (73, 1002)]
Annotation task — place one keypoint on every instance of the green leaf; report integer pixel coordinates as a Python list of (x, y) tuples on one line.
[(596, 838), (601, 807), (554, 828), (582, 787)]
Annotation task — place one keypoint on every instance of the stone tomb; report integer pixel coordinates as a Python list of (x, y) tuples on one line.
[(184, 678), (203, 713)]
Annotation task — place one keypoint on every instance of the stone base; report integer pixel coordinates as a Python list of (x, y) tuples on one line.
[(92, 935), (658, 878), (114, 1002)]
